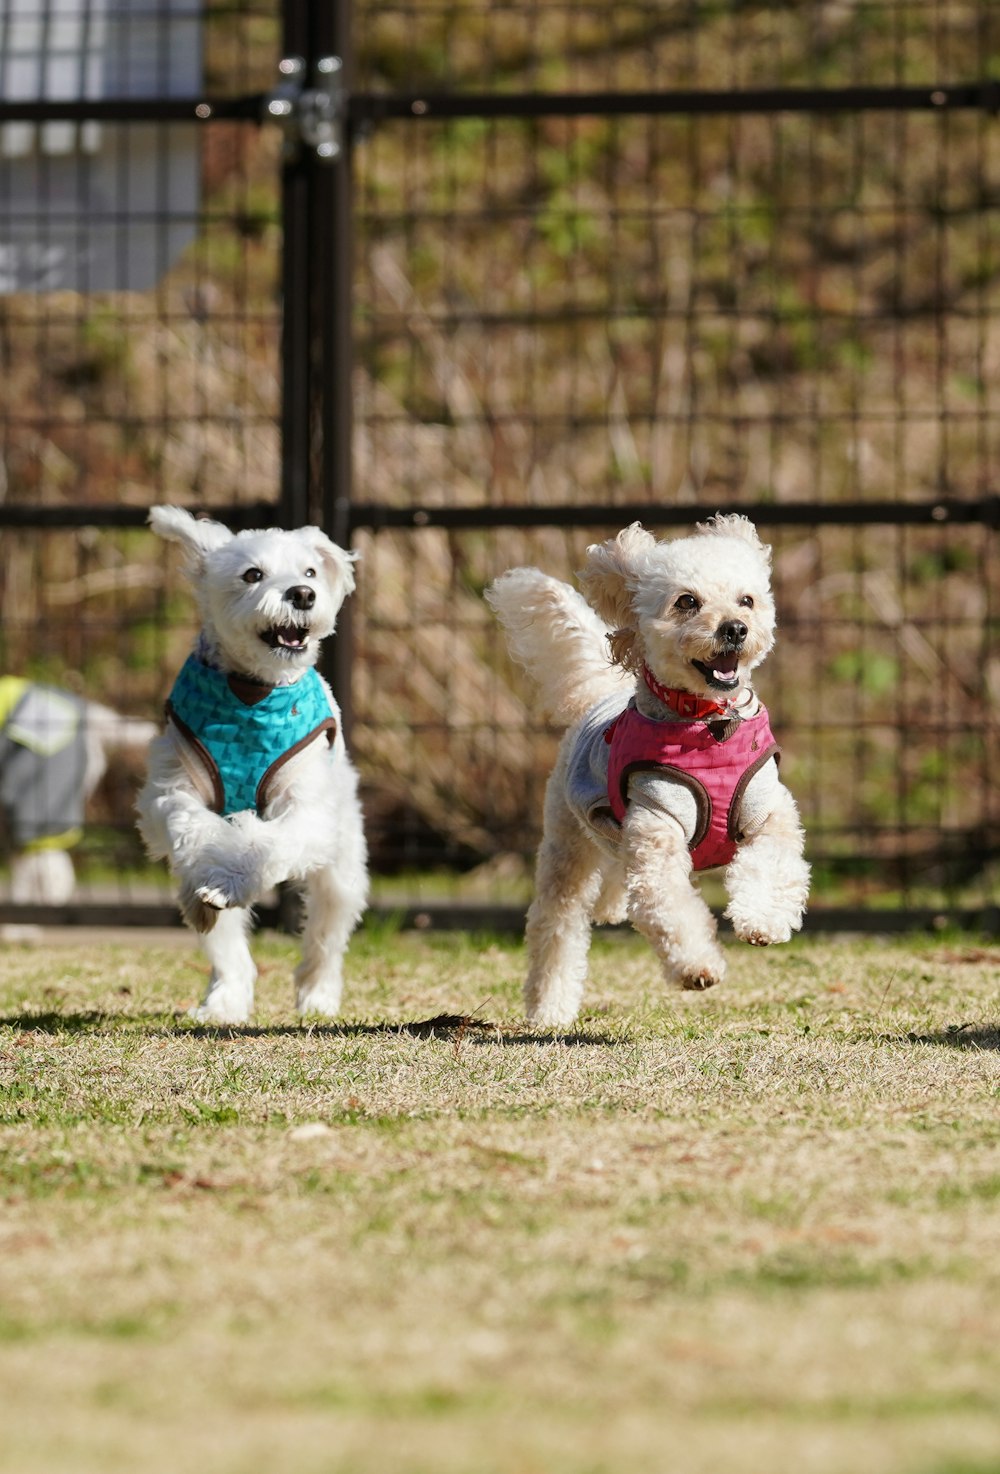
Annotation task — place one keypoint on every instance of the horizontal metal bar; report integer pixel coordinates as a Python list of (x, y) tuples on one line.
[(456, 916), (90, 913), (484, 917), (158, 915), (373, 515), (28, 517), (372, 107), (135, 109), (376, 107), (985, 512)]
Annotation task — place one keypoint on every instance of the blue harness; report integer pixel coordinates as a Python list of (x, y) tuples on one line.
[(244, 732)]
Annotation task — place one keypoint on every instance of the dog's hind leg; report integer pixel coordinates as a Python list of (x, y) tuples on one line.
[(568, 876), (611, 906), (335, 900), (229, 999)]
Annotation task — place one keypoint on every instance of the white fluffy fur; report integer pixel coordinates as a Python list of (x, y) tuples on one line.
[(312, 828), (666, 605), (559, 640)]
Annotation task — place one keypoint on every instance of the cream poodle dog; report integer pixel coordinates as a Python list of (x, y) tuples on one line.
[(250, 784), (669, 764)]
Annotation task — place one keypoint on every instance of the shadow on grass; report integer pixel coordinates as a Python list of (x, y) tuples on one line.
[(91, 1022), (456, 1028), (453, 1029), (961, 1036)]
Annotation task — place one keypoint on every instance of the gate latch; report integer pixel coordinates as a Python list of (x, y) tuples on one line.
[(312, 117)]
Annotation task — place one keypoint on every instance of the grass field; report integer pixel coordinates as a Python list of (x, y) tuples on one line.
[(755, 1229)]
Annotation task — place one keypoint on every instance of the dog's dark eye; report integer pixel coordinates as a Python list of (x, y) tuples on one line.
[(687, 602), (309, 573), (746, 602), (252, 575)]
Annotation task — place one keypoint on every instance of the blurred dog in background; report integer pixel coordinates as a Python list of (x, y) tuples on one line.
[(54, 750)]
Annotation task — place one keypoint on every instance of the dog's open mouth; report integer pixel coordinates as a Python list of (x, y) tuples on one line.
[(292, 637), (723, 671)]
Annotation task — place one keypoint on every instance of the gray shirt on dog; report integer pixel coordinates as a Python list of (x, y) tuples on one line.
[(43, 760)]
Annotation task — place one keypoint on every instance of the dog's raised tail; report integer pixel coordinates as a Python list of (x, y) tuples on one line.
[(553, 632)]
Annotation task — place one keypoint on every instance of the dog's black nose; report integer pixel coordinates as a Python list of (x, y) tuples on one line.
[(732, 633), (301, 596)]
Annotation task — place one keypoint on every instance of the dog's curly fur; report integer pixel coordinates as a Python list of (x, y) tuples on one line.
[(698, 613), (267, 599)]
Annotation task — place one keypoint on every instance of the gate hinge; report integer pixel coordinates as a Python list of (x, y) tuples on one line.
[(312, 117)]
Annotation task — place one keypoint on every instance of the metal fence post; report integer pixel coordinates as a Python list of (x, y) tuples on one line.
[(316, 281), (337, 418)]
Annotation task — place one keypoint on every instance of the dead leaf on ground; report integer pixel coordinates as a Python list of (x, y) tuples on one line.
[(444, 1024)]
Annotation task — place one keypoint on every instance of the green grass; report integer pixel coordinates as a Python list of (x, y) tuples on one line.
[(755, 1228)]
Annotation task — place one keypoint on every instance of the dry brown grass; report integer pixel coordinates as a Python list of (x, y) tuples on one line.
[(755, 1228)]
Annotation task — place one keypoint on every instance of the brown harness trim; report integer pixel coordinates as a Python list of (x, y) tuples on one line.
[(329, 725), (695, 787), (774, 751), (201, 751), (247, 690)]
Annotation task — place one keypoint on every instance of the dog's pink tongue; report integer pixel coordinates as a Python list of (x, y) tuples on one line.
[(726, 665)]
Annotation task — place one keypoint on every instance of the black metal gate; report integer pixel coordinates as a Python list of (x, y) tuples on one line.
[(546, 269), (144, 356)]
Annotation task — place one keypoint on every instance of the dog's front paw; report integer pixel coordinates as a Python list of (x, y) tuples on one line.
[(694, 969), (198, 915), (766, 920), (201, 905), (698, 982), (760, 935), (215, 897), (768, 890)]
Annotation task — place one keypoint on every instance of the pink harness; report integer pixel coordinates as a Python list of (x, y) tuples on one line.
[(716, 769)]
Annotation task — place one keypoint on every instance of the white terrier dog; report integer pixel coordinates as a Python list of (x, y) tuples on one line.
[(250, 784), (669, 764)]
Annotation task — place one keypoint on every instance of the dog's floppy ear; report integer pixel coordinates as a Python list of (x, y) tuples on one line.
[(339, 565), (732, 524), (197, 536), (611, 572)]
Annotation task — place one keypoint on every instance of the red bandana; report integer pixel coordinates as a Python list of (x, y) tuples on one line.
[(684, 703)]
